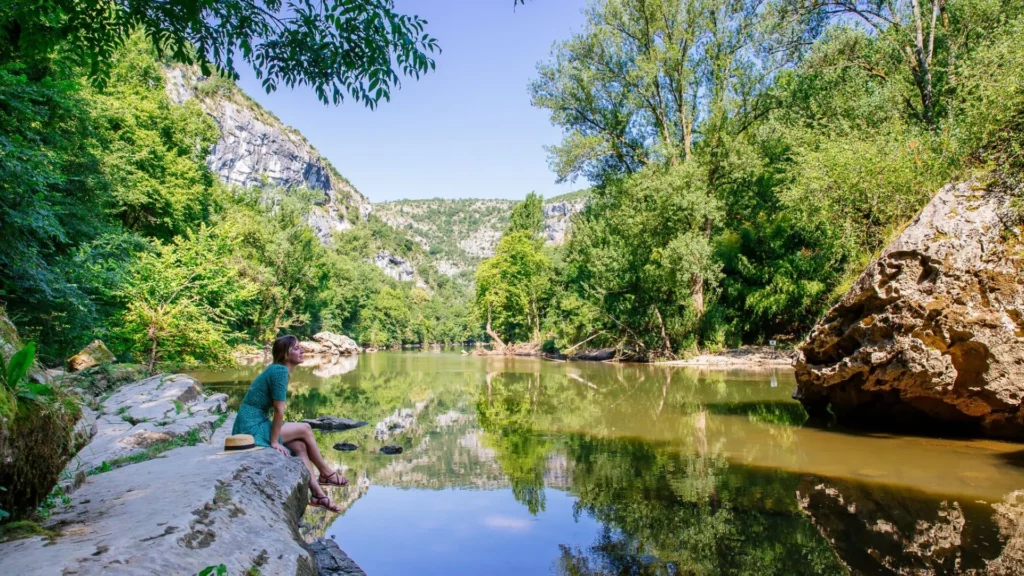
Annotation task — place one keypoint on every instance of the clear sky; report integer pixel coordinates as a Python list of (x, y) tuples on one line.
[(466, 130)]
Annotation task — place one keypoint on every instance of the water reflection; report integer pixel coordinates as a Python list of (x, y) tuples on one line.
[(631, 469)]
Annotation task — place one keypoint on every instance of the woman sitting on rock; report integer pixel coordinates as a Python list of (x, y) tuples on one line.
[(270, 390)]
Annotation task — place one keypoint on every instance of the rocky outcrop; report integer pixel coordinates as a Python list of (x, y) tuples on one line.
[(331, 560), (178, 514), (932, 333), (394, 266), (140, 415), (182, 511), (256, 148), (94, 354), (95, 382), (336, 344), (35, 443), (556, 218)]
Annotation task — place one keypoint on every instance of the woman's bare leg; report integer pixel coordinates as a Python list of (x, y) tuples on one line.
[(298, 448), (300, 432)]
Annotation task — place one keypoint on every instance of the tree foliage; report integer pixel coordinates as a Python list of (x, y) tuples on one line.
[(512, 287), (358, 48), (749, 158), (117, 229)]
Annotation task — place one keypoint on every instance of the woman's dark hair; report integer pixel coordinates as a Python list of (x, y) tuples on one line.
[(281, 347)]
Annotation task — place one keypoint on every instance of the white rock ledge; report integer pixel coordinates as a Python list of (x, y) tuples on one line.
[(180, 512), (177, 514)]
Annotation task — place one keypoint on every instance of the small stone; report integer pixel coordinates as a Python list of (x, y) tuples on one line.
[(345, 446), (333, 423), (331, 560), (391, 449), (94, 354)]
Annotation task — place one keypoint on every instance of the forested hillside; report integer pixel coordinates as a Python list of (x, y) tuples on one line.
[(458, 234), (116, 227), (748, 159)]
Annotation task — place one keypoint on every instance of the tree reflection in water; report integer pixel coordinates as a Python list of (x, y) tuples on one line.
[(686, 472), (664, 510)]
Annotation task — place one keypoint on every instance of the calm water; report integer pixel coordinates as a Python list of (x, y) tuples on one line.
[(522, 466)]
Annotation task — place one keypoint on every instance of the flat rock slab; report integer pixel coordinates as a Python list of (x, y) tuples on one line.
[(333, 424), (176, 515), (137, 416), (331, 560)]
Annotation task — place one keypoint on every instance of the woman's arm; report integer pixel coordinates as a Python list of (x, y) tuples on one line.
[(275, 428)]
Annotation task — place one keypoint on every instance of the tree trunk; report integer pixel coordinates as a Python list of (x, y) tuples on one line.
[(664, 335), (536, 320), (152, 351), (494, 335), (687, 140), (698, 281), (922, 72)]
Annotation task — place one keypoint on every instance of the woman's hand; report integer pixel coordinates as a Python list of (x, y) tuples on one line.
[(277, 446)]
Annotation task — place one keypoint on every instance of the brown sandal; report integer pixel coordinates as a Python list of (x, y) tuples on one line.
[(324, 502), (328, 480)]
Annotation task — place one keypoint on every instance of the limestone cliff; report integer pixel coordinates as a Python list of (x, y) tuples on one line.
[(256, 147), (931, 336)]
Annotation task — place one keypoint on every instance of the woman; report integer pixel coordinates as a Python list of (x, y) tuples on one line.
[(270, 390)]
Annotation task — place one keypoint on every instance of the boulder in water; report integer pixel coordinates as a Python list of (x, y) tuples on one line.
[(331, 560), (336, 343), (333, 423), (312, 347), (595, 355), (931, 336), (94, 354)]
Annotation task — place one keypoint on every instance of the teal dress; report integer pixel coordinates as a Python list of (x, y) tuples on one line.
[(254, 413)]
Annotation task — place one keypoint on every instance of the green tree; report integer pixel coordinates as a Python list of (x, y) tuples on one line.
[(181, 299), (278, 253), (637, 252), (527, 216), (153, 151), (52, 197), (512, 288), (386, 319), (357, 47)]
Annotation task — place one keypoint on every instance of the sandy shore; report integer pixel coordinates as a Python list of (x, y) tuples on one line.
[(742, 357)]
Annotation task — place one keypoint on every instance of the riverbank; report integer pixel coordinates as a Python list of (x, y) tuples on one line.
[(152, 493), (744, 357)]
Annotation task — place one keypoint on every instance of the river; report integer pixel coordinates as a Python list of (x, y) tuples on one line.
[(518, 466)]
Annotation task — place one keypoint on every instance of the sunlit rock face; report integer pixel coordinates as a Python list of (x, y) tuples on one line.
[(256, 149), (878, 530), (394, 266), (556, 218), (931, 336)]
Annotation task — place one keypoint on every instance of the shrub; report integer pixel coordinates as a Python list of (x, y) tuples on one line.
[(37, 421)]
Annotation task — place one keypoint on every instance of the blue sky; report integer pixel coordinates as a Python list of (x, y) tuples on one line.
[(466, 130)]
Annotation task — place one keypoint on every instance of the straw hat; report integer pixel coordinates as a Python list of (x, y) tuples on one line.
[(239, 443)]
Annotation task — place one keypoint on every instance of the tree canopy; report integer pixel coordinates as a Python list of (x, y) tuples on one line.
[(358, 48)]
